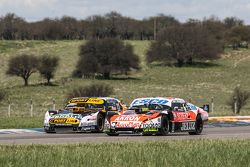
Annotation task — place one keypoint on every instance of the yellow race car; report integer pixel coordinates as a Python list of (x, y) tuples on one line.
[(82, 114)]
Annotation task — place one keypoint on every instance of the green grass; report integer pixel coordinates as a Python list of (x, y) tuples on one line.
[(21, 122), (199, 83), (146, 154)]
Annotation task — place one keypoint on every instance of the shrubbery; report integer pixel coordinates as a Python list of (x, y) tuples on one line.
[(2, 94), (239, 97), (95, 90)]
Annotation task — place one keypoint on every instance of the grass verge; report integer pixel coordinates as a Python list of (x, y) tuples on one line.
[(21, 122), (154, 154)]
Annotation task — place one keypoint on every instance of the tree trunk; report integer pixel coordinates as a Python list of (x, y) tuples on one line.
[(48, 81), (190, 61), (180, 62), (26, 83), (106, 75)]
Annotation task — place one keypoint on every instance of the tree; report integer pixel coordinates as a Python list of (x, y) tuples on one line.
[(242, 32), (239, 97), (184, 44), (94, 90), (106, 56), (22, 65), (233, 21), (47, 67), (13, 27)]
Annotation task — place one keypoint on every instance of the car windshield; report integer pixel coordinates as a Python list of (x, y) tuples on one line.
[(85, 105), (148, 107), (158, 107)]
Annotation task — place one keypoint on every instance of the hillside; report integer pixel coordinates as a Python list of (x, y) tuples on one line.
[(199, 83)]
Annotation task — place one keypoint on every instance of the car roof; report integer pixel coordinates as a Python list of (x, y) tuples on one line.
[(156, 100)]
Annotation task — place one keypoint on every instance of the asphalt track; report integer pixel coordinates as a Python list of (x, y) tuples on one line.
[(239, 132)]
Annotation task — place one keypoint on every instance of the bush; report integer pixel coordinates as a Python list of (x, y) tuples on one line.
[(47, 67), (240, 97), (95, 90)]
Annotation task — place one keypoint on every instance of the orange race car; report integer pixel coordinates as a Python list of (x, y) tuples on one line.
[(158, 116)]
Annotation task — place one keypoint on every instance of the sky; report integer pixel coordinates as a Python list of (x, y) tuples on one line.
[(34, 10)]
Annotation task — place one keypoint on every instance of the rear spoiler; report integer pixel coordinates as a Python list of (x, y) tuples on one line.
[(205, 107)]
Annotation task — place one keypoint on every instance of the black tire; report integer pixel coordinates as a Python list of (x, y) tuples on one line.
[(100, 123), (198, 126), (164, 130), (147, 134), (113, 134), (49, 131)]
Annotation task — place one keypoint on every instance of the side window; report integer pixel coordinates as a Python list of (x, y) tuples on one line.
[(191, 106), (118, 107), (188, 108), (180, 107), (112, 105)]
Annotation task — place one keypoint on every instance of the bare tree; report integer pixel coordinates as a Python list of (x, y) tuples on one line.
[(238, 99), (23, 66), (47, 67), (233, 21)]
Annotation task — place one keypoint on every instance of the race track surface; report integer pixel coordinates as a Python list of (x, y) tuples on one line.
[(240, 132)]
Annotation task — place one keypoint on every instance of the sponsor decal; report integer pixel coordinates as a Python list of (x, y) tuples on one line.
[(140, 102), (150, 130), (127, 118), (149, 101), (70, 115), (158, 101), (151, 125), (80, 100), (87, 100), (188, 126), (126, 124), (181, 115), (64, 121), (95, 101)]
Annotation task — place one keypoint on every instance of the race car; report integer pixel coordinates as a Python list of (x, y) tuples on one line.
[(82, 114), (158, 116)]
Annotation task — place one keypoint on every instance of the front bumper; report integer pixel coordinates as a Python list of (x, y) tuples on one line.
[(132, 130), (61, 128)]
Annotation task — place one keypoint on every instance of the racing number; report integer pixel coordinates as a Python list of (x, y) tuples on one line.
[(188, 126)]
